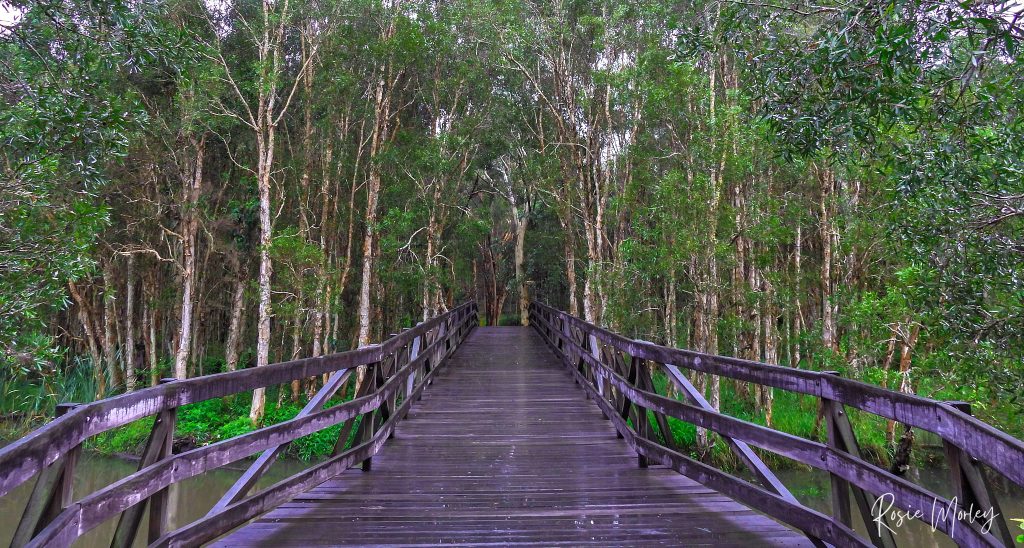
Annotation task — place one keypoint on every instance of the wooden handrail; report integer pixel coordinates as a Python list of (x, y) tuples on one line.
[(22, 459), (575, 340), (999, 450)]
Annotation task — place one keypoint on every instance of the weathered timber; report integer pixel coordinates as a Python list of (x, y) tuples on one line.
[(740, 448), (1002, 452), (814, 524), (51, 494), (260, 466), (841, 438), (970, 483), (159, 469), (503, 449), (845, 465), (158, 447), (233, 515), (21, 460)]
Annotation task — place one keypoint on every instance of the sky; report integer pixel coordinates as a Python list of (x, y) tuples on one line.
[(8, 14)]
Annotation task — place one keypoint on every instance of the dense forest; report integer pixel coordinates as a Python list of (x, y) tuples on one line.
[(189, 187)]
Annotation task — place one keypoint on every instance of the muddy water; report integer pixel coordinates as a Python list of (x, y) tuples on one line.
[(190, 500), (814, 490)]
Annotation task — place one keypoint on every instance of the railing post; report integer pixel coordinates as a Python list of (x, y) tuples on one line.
[(389, 405), (595, 351), (159, 503), (414, 350), (841, 438), (637, 413), (369, 423), (346, 431), (645, 381), (970, 485), (52, 492), (840, 487)]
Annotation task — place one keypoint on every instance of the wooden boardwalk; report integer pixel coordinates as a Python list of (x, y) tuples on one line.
[(505, 449)]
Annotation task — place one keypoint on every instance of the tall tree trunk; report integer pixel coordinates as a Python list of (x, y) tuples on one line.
[(569, 242), (372, 194), (671, 338), (193, 181), (114, 371), (149, 314), (382, 115), (431, 289), (129, 327), (771, 348), (826, 178), (265, 146), (591, 283), (743, 340), (237, 319), (323, 291), (709, 289), (520, 254), (797, 315), (297, 345), (91, 337)]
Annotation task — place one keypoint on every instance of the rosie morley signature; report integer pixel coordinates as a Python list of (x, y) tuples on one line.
[(883, 509)]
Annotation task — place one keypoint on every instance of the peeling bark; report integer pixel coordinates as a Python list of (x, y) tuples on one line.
[(193, 181)]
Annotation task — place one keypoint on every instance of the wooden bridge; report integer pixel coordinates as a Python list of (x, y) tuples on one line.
[(550, 435)]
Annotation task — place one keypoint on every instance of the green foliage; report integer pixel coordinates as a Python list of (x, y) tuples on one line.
[(129, 439), (64, 121), (1020, 524), (201, 421), (690, 159), (210, 421), (31, 398), (233, 428)]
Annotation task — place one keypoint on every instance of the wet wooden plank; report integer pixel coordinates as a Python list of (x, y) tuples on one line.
[(505, 449)]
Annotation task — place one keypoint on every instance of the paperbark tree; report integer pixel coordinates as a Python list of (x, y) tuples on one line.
[(192, 182), (236, 322), (129, 327)]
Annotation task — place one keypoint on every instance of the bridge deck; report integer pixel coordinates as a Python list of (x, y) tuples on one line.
[(505, 449)]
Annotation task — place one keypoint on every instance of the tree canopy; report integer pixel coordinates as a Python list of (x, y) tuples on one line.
[(188, 187)]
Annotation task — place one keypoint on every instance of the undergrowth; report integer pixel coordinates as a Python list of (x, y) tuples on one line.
[(797, 414), (26, 405), (210, 421)]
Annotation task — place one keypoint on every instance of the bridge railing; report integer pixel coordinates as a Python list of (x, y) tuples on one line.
[(617, 373), (396, 371)]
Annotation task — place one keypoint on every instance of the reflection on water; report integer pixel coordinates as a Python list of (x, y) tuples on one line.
[(190, 499), (814, 490)]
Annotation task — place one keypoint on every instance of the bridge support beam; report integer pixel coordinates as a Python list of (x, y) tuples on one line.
[(52, 492), (841, 438), (159, 446), (971, 486)]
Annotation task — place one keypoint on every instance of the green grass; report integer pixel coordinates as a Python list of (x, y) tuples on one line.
[(219, 419), (210, 421), (26, 404), (792, 413), (509, 319)]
